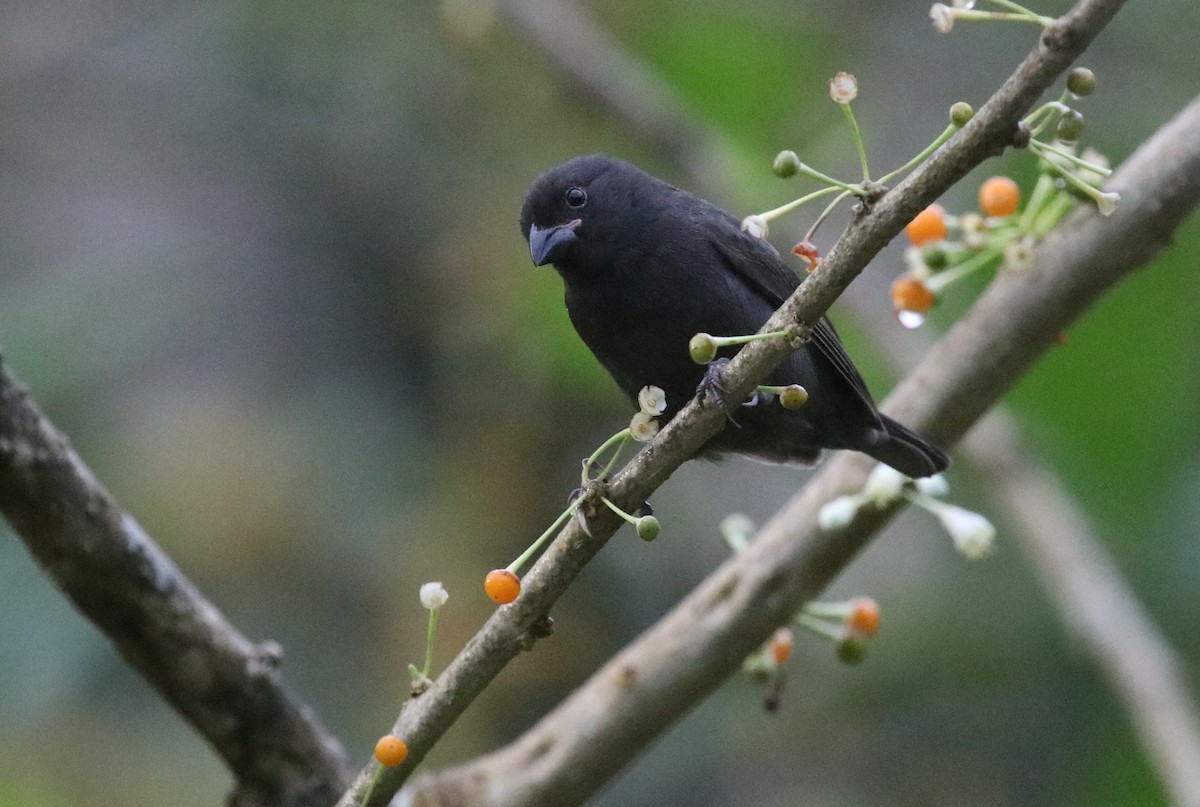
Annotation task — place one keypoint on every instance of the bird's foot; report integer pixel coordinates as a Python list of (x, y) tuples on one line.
[(712, 387)]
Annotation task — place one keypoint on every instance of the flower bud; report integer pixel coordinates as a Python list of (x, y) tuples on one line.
[(643, 427), (884, 484), (942, 16), (756, 226), (434, 595), (652, 400), (837, 514), (843, 88)]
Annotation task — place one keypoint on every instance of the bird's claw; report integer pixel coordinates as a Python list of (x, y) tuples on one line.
[(712, 385)]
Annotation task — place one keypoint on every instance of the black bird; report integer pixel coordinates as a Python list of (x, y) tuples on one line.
[(646, 266)]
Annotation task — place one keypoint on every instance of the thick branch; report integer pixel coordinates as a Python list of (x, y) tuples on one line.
[(226, 686), (586, 739), (515, 627)]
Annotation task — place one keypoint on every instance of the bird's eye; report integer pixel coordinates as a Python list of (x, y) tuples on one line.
[(575, 197)]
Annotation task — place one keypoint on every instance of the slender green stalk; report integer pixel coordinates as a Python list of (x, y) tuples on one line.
[(366, 799), (858, 141), (1025, 13), (726, 341), (930, 149), (827, 610), (1043, 191), (617, 439), (825, 214), (795, 203), (813, 173), (1041, 147), (429, 634), (1052, 213), (625, 516), (943, 279), (516, 565), (819, 626), (1028, 16)]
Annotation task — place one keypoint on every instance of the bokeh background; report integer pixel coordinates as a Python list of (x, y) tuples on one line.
[(261, 261)]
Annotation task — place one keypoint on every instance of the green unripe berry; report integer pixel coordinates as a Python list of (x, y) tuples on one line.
[(935, 256), (961, 113), (647, 528), (786, 164), (1081, 81), (852, 649), (793, 396), (1070, 127), (703, 348)]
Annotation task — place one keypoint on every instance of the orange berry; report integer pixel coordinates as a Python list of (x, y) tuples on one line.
[(910, 294), (863, 619), (390, 751), (780, 645), (929, 225), (809, 253), (999, 196), (502, 585)]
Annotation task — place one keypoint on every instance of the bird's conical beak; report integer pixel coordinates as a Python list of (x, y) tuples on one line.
[(548, 243)]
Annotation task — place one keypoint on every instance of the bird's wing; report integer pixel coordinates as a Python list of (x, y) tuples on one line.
[(758, 264)]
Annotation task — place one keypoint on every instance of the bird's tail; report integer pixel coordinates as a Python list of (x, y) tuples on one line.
[(908, 452)]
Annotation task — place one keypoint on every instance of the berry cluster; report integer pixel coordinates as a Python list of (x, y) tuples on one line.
[(850, 625), (1002, 234)]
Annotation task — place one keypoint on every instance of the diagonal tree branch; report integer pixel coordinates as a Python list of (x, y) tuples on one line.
[(1096, 604), (227, 687), (1093, 599), (573, 750), (517, 626)]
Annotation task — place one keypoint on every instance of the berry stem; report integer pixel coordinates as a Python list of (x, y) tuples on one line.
[(813, 173), (795, 203), (825, 214), (819, 626), (1045, 115), (924, 153), (1043, 192), (858, 141), (1019, 16), (827, 610), (366, 799), (940, 281), (1058, 206), (626, 516), (1040, 148), (1025, 13), (430, 632), (516, 565), (726, 341), (618, 440)]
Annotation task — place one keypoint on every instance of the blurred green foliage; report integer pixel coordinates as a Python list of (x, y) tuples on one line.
[(261, 262)]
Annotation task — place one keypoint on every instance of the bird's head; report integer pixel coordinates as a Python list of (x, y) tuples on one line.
[(578, 215)]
